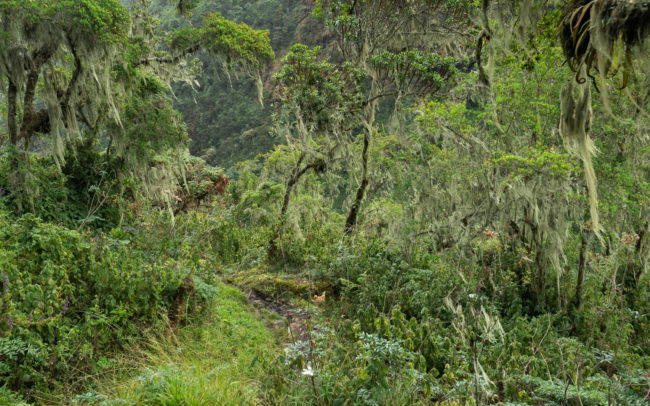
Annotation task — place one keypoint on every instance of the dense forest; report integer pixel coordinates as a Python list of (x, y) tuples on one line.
[(329, 202)]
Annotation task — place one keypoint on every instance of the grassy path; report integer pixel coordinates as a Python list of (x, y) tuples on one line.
[(215, 361)]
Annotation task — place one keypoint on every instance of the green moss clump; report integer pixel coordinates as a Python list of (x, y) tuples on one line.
[(276, 286)]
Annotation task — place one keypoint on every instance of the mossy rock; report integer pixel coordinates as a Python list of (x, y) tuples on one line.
[(275, 286)]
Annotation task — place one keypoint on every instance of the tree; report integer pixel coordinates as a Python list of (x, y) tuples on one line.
[(153, 157), (602, 36), (64, 46), (391, 42), (526, 186), (75, 68), (319, 110)]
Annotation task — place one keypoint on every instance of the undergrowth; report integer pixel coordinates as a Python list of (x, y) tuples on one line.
[(216, 360)]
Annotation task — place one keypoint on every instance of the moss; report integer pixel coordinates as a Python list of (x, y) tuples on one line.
[(276, 285)]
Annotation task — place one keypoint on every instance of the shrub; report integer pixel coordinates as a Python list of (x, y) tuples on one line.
[(66, 296)]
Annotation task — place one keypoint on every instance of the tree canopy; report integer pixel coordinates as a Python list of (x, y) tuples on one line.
[(67, 62)]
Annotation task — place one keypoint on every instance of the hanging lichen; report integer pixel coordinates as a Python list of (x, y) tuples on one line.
[(600, 35), (602, 40), (56, 57), (575, 126)]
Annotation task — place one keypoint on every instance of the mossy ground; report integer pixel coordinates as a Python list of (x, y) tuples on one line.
[(273, 284)]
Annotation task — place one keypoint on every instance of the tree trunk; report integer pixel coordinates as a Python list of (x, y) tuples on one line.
[(351, 220), (12, 95), (291, 182), (540, 281), (577, 300), (32, 121), (72, 86), (30, 92), (296, 174), (370, 111)]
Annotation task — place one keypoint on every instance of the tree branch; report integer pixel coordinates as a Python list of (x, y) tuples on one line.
[(72, 86), (167, 59)]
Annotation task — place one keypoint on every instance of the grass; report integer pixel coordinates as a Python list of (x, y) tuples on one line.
[(212, 362)]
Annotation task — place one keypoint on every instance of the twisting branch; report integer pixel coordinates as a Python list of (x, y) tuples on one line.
[(318, 165), (72, 86), (170, 60)]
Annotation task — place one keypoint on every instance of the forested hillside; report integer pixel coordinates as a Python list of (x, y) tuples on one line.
[(330, 202), (223, 125)]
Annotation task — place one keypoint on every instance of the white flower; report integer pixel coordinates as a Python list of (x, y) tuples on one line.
[(308, 371)]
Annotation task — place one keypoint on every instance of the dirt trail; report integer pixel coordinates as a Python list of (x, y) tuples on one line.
[(294, 318)]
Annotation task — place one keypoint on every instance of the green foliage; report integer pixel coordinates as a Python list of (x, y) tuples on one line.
[(181, 371), (151, 125), (236, 43), (225, 127), (43, 185), (345, 8), (69, 297), (425, 72), (322, 95), (472, 276), (367, 369), (434, 337), (103, 20), (9, 398), (536, 162)]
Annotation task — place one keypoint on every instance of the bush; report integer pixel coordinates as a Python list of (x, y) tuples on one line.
[(66, 296)]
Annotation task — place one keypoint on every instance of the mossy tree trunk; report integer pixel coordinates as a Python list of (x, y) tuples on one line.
[(577, 300), (296, 174), (12, 112), (351, 220), (370, 113), (318, 165)]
